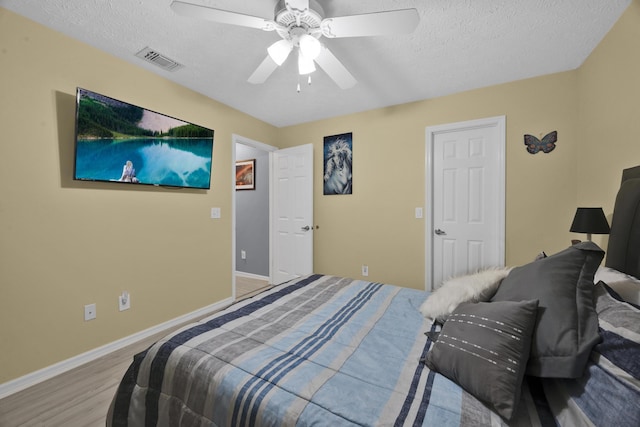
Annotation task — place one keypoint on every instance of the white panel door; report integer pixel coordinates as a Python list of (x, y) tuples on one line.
[(292, 254), (467, 189)]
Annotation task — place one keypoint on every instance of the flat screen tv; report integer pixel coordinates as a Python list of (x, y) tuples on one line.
[(123, 143)]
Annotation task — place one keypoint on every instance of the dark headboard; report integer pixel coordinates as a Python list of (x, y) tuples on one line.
[(623, 252)]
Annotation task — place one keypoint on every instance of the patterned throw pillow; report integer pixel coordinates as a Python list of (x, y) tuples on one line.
[(484, 348)]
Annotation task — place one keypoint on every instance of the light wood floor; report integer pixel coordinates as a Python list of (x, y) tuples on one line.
[(81, 397), (247, 286)]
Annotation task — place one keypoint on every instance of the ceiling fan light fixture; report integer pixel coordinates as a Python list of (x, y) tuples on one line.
[(279, 51), (300, 24), (305, 64), (309, 46)]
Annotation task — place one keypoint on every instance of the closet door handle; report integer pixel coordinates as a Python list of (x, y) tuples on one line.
[(305, 228), (440, 232)]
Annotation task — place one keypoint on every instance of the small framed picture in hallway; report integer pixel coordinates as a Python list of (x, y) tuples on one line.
[(246, 174)]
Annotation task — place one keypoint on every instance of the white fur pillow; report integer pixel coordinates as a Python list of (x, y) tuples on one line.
[(478, 287)]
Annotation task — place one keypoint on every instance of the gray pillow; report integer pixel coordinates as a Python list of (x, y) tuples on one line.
[(484, 348), (567, 324)]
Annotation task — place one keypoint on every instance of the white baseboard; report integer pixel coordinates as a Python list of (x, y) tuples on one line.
[(44, 374), (251, 275)]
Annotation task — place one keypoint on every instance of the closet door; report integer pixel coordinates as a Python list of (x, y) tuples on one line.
[(467, 199)]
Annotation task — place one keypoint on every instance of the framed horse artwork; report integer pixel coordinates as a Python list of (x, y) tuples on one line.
[(338, 164)]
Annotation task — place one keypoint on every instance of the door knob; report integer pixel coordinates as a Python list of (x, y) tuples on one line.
[(306, 228), (440, 232)]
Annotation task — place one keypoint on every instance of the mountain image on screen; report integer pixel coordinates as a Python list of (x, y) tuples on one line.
[(120, 142)]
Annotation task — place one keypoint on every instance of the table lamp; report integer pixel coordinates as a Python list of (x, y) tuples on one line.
[(590, 221)]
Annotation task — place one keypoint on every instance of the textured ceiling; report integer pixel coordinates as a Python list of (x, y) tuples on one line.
[(458, 45)]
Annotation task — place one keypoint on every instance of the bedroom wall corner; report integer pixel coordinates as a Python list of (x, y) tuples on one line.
[(64, 243), (376, 225), (609, 90)]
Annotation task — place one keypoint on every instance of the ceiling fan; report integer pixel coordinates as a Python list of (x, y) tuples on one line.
[(300, 24)]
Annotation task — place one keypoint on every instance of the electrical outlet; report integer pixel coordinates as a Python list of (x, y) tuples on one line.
[(365, 270), (89, 312), (124, 301)]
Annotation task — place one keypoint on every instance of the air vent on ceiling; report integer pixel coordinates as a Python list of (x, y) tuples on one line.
[(158, 59)]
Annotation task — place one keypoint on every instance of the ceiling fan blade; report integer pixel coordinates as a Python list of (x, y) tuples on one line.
[(222, 16), (264, 70), (334, 68), (401, 21)]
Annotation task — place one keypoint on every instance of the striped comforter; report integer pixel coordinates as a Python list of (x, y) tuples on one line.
[(321, 350)]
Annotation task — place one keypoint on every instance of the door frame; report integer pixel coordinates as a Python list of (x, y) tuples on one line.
[(431, 131), (238, 139)]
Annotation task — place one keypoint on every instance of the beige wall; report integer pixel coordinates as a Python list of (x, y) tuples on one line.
[(376, 225), (64, 244), (609, 132)]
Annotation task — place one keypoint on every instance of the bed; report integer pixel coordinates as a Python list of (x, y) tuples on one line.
[(332, 351)]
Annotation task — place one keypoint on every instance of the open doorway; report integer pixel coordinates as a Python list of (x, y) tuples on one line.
[(251, 236)]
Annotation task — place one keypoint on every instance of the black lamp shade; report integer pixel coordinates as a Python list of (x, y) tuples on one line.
[(591, 221)]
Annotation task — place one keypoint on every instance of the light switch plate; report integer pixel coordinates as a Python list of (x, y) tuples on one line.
[(418, 212), (215, 213), (124, 301)]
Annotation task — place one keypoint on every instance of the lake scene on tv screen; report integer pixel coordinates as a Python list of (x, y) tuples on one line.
[(120, 142)]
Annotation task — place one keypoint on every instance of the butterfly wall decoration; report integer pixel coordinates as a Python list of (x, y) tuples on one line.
[(546, 145)]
